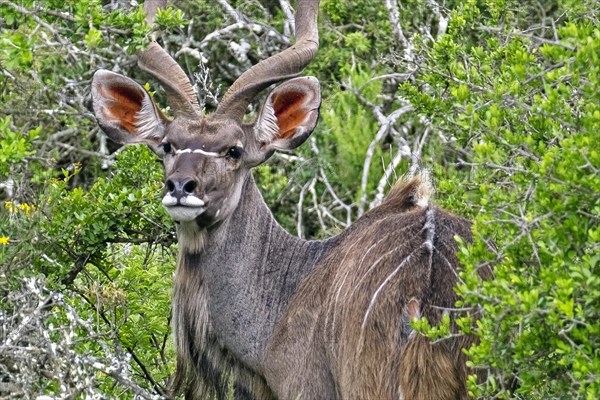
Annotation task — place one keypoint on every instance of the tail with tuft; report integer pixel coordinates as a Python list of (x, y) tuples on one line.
[(429, 370)]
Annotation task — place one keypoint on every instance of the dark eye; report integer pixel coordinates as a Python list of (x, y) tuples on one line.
[(235, 153), (166, 147)]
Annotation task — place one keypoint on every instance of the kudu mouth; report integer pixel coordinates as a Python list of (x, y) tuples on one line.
[(185, 208)]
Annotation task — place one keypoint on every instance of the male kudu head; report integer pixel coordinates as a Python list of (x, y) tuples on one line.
[(206, 158)]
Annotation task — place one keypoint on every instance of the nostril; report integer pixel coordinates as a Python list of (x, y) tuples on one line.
[(170, 186), (189, 186)]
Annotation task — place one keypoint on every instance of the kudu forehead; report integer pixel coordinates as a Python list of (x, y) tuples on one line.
[(207, 134)]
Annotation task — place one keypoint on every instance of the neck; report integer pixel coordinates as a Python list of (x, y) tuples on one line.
[(249, 268)]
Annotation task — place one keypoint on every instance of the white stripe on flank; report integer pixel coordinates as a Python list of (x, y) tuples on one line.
[(390, 276), (429, 228)]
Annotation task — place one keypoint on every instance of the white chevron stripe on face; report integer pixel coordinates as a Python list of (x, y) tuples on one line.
[(198, 151)]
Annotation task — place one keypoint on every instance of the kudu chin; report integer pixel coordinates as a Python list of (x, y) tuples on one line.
[(265, 314)]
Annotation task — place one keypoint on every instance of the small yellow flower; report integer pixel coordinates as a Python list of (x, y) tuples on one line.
[(10, 207), (26, 208), (4, 240)]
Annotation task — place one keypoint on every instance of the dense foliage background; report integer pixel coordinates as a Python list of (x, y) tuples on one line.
[(499, 98)]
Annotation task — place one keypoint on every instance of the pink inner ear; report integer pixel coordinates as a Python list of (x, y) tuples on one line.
[(289, 112), (122, 105)]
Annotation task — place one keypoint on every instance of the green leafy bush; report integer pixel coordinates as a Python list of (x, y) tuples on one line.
[(524, 109), (499, 98)]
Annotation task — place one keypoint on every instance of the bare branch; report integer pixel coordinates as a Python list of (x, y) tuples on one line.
[(289, 24), (394, 16), (232, 12), (384, 128)]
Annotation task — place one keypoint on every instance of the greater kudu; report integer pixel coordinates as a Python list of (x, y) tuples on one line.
[(279, 316)]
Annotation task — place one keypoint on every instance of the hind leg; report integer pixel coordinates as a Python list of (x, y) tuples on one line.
[(304, 378)]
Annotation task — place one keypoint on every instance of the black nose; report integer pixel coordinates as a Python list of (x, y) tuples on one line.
[(179, 188)]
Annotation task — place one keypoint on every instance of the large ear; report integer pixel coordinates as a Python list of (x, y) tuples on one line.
[(289, 115), (124, 110)]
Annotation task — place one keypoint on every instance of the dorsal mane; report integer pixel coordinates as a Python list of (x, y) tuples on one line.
[(411, 191)]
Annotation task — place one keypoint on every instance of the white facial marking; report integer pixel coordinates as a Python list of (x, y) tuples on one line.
[(169, 200), (198, 151), (191, 201), (187, 209), (217, 214), (206, 153), (183, 213)]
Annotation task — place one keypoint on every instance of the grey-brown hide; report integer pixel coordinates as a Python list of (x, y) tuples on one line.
[(346, 333), (278, 316)]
